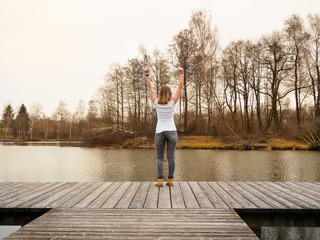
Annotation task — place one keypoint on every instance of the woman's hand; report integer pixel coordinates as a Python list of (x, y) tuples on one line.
[(176, 96), (151, 91), (146, 70)]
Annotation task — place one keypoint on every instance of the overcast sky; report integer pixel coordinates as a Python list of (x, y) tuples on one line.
[(52, 50)]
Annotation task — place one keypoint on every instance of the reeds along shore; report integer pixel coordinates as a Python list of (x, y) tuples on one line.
[(207, 142), (185, 142)]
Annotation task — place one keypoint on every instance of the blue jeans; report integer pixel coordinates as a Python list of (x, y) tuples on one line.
[(171, 137)]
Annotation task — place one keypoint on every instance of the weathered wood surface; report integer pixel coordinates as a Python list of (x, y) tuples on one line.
[(140, 210), (138, 195), (76, 223)]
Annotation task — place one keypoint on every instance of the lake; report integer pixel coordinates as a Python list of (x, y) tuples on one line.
[(29, 163)]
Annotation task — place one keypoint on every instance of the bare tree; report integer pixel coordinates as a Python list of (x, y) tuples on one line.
[(134, 73), (244, 76), (277, 61), (206, 39), (230, 78), (35, 116), (297, 38), (256, 78), (80, 111), (314, 62), (92, 114), (61, 113), (145, 56), (45, 125), (182, 48), (116, 78), (106, 104), (160, 69)]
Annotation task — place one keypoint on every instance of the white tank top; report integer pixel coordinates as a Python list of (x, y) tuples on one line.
[(165, 113)]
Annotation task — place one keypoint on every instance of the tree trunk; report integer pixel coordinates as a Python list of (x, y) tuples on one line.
[(317, 112), (258, 110), (197, 107), (275, 112), (296, 91), (247, 113), (70, 130), (185, 116)]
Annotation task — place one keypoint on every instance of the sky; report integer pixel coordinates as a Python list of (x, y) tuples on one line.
[(53, 50)]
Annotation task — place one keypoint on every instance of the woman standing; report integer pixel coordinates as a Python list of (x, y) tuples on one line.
[(166, 130)]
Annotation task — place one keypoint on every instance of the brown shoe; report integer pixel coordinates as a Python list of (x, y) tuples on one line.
[(159, 183), (170, 182)]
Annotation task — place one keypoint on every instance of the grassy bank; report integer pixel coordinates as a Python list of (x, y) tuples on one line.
[(196, 142), (207, 142)]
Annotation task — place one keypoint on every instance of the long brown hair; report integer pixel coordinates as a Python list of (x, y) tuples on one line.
[(164, 95)]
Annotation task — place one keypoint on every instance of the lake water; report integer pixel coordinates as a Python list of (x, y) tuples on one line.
[(290, 233), (55, 163), (30, 163)]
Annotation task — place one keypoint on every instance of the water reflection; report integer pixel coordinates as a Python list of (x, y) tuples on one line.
[(6, 230), (54, 163), (292, 233)]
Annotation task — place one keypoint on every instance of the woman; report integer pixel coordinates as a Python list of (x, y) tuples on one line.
[(166, 130)]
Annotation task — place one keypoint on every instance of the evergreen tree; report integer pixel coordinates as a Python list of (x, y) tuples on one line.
[(7, 120), (22, 122)]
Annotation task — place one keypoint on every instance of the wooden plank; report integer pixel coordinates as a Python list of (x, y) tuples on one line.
[(45, 195), (176, 196), (245, 203), (11, 187), (191, 195), (103, 197), (315, 185), (136, 212), (140, 197), (301, 200), (35, 194), (79, 187), (21, 191), (81, 195), (232, 203), (216, 201), (245, 193), (136, 224), (164, 197), (276, 194), (303, 191), (188, 196), (201, 197), (309, 186), (3, 185), (256, 191), (45, 202), (92, 196), (17, 187), (152, 197), (148, 233), (128, 196), (115, 197)]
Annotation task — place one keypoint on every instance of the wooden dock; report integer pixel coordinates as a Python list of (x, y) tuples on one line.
[(139, 210), (194, 195), (137, 224)]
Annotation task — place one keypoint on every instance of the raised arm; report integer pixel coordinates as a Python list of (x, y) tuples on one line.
[(176, 96), (153, 95)]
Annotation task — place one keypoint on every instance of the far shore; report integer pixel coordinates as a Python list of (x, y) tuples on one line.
[(185, 142), (214, 143)]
